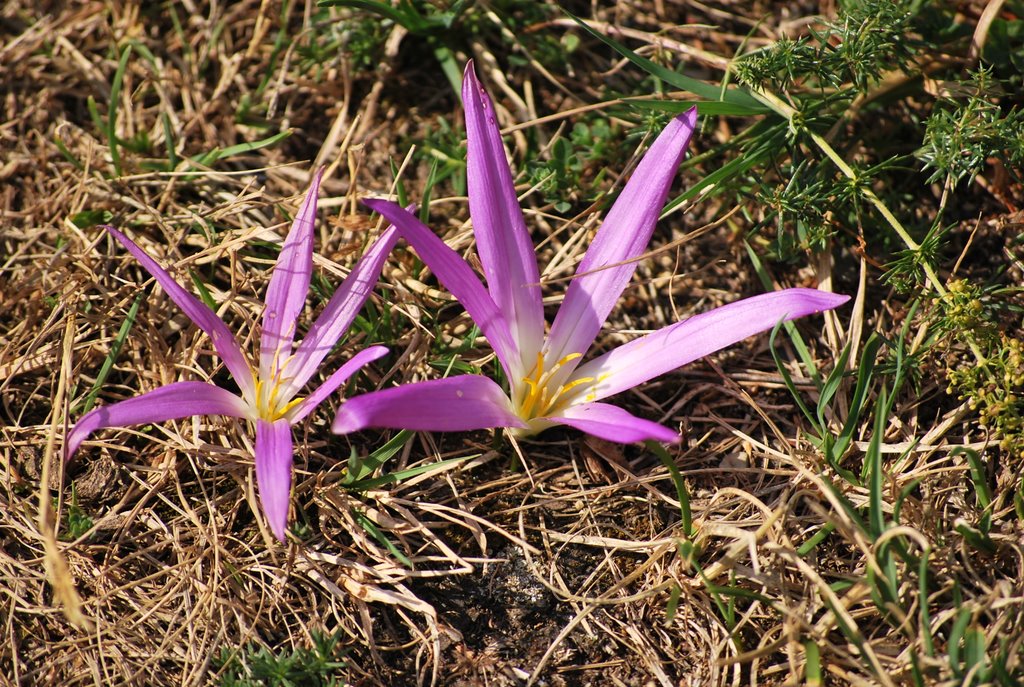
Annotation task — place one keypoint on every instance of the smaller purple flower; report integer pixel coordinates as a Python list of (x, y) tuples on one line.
[(268, 393), (549, 382)]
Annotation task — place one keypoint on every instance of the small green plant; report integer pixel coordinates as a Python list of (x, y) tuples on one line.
[(868, 38), (321, 665), (576, 165), (422, 19), (78, 522), (968, 128)]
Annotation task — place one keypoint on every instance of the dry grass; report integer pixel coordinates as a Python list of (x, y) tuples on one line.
[(554, 562)]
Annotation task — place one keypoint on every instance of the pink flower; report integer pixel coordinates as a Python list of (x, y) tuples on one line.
[(268, 395), (549, 382)]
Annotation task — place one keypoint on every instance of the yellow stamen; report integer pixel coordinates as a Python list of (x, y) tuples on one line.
[(267, 392), (563, 361), (289, 405), (576, 382), (531, 397), (539, 399)]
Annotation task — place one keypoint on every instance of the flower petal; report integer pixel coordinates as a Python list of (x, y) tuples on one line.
[(623, 235), (289, 285), (274, 472), (338, 314), (676, 345), (503, 242), (458, 277), (613, 424), (453, 404), (170, 402), (197, 311), (340, 376)]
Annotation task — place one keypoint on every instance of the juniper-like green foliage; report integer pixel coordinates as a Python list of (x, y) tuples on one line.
[(319, 666), (841, 61), (856, 84), (968, 127)]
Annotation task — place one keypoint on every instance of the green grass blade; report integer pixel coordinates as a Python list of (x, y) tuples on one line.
[(204, 293), (361, 468), (734, 96), (403, 197), (207, 159), (813, 664), (682, 493), (169, 143), (815, 539), (115, 95), (115, 350), (788, 380), (922, 592), (673, 603), (769, 137), (448, 65), (794, 335), (401, 475), (865, 372), (956, 636), (428, 191), (67, 153), (704, 107), (873, 467), (371, 528), (409, 18)]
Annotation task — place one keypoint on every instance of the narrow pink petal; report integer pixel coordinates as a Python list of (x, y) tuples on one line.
[(338, 314), (458, 277), (614, 424), (274, 472), (453, 404), (207, 320), (340, 376), (623, 235), (289, 284), (503, 242), (170, 402), (655, 354)]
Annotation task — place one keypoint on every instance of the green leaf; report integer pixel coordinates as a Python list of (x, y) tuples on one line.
[(740, 99), (207, 159), (704, 107), (90, 218), (115, 350), (405, 15), (361, 468), (395, 477), (204, 293), (115, 95), (371, 527), (682, 493)]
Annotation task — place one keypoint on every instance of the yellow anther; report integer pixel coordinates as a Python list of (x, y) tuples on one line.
[(531, 397), (267, 392), (288, 406), (539, 400), (574, 383), (539, 368)]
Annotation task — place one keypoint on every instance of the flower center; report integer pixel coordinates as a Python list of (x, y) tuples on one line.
[(540, 398), (271, 403)]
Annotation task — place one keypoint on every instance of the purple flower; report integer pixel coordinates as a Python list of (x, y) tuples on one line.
[(549, 382), (268, 394)]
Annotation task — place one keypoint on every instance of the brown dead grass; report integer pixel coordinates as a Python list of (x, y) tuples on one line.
[(556, 573)]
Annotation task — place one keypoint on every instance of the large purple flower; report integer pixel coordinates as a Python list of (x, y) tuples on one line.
[(269, 393), (548, 384)]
